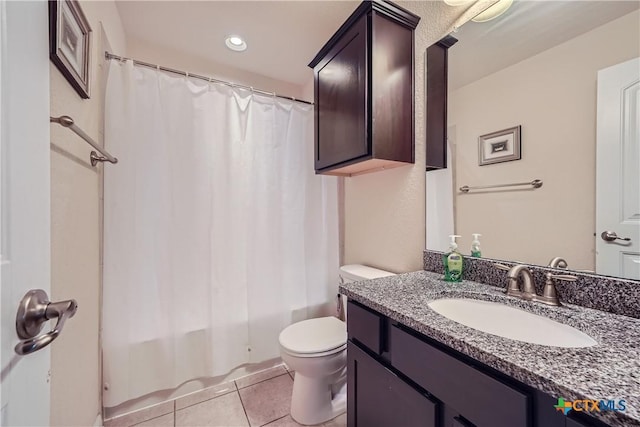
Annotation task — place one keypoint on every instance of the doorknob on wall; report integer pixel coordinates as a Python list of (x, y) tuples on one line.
[(34, 310), (610, 236)]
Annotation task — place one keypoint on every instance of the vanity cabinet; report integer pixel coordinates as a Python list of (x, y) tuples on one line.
[(399, 404), (363, 89), (398, 377)]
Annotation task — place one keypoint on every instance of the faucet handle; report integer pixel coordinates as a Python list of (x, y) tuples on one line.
[(502, 267), (549, 293), (565, 277)]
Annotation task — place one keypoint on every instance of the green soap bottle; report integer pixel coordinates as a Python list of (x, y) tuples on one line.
[(452, 262), (475, 246)]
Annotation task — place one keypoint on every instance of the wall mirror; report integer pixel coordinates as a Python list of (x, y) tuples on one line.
[(537, 67)]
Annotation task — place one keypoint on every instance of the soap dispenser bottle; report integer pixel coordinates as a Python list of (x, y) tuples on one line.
[(452, 262), (475, 246)]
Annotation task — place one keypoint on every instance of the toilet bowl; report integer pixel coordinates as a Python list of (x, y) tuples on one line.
[(316, 349)]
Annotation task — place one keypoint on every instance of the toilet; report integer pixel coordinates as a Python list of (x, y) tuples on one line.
[(316, 349)]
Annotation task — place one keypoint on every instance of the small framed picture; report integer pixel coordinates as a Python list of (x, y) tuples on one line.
[(500, 146), (70, 43)]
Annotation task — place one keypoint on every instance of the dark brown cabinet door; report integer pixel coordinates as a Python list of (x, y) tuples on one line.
[(436, 112), (582, 420), (459, 421), (341, 84), (378, 398), (575, 423), (392, 90), (480, 398), (363, 79)]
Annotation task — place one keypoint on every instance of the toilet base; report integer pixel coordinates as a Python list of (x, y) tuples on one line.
[(315, 402)]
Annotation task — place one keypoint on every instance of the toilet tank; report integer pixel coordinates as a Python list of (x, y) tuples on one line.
[(357, 272)]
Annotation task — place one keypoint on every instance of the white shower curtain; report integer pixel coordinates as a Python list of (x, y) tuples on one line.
[(217, 233)]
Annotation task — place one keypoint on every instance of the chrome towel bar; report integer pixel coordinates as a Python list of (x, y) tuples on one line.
[(536, 183), (67, 122)]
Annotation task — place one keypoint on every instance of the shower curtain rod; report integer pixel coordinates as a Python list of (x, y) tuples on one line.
[(110, 56)]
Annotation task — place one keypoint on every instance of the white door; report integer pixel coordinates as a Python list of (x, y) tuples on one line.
[(618, 171), (24, 202)]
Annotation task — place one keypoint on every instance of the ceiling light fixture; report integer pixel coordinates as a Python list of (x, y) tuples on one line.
[(457, 2), (235, 43), (493, 11)]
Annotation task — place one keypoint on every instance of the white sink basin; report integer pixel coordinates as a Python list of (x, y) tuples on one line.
[(509, 322)]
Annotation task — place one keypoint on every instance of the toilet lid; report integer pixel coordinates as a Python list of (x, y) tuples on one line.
[(358, 272), (314, 335)]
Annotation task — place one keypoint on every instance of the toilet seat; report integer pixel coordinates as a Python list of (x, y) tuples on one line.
[(314, 337), (310, 355)]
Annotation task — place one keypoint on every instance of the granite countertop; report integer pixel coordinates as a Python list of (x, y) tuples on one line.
[(609, 370)]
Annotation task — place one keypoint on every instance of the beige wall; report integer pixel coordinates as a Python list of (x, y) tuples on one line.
[(75, 231), (553, 96), (385, 211)]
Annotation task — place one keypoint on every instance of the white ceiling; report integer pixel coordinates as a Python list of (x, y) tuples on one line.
[(527, 28), (282, 36)]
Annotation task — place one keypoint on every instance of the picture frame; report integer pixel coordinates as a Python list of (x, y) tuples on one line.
[(70, 44), (501, 146)]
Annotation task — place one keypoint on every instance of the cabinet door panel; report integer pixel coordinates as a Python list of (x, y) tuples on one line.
[(365, 326), (392, 90), (481, 399), (544, 412), (341, 102), (574, 423), (581, 420), (436, 112), (460, 422), (379, 398)]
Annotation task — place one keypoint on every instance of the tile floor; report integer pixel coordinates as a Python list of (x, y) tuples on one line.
[(260, 399)]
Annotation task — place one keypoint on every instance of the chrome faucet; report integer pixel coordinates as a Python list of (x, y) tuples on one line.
[(513, 289), (549, 294), (558, 262)]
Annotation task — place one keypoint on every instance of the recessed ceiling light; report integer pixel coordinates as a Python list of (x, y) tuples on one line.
[(235, 43)]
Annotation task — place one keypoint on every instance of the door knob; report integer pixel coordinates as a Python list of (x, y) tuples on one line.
[(34, 310), (610, 236)]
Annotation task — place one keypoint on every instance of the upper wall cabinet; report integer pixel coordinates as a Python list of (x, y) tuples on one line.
[(363, 78), (437, 71)]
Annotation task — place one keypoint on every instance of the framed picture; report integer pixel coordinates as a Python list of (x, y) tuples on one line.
[(70, 43), (500, 146)]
